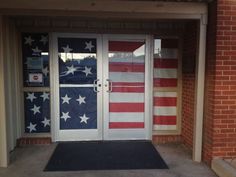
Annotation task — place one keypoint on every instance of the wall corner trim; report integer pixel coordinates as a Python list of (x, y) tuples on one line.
[(4, 155)]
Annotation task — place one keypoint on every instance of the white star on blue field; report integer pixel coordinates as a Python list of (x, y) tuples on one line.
[(78, 108), (35, 59), (77, 66), (37, 112)]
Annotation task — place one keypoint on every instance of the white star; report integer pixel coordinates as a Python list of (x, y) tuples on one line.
[(45, 96), (36, 50), (65, 116), (89, 45), (87, 71), (31, 127), (71, 69), (35, 109), (46, 122), (44, 39), (81, 99), (31, 97), (45, 71), (28, 40), (67, 49), (84, 119), (65, 99)]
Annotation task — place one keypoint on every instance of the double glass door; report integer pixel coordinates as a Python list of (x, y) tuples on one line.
[(100, 89)]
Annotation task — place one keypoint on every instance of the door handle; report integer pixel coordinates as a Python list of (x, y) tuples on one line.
[(95, 85), (109, 85)]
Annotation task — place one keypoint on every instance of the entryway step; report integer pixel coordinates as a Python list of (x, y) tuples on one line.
[(223, 168)]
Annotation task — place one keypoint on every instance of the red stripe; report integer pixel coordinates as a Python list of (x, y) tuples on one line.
[(135, 84), (164, 120), (128, 89), (126, 125), (126, 107), (165, 101), (165, 63), (124, 46), (163, 82), (126, 67), (169, 43), (136, 87)]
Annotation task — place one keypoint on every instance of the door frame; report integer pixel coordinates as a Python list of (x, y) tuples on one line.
[(69, 135), (110, 134), (102, 96)]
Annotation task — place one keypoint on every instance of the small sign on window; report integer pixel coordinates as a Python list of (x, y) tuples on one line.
[(36, 78)]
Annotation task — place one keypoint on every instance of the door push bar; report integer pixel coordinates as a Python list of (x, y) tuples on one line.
[(109, 85), (96, 85)]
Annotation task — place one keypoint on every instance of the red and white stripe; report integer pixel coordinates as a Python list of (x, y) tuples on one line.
[(166, 75), (165, 110), (166, 64), (127, 74)]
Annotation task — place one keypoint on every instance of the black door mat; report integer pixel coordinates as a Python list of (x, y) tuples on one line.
[(105, 155)]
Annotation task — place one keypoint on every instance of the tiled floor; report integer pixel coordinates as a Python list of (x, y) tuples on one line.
[(30, 161)]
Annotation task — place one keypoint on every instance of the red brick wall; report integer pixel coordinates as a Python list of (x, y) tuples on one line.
[(162, 139), (188, 82), (209, 84), (220, 112), (33, 141), (224, 127)]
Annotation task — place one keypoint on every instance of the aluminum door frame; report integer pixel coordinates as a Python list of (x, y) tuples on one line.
[(80, 134), (131, 134)]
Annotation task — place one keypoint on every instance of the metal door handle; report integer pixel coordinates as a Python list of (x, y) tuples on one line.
[(109, 85), (95, 85)]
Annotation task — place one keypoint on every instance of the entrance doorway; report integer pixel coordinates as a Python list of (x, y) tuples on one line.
[(101, 87)]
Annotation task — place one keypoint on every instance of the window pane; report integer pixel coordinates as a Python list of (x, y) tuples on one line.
[(165, 62), (165, 76), (35, 53), (37, 112), (77, 60), (127, 77)]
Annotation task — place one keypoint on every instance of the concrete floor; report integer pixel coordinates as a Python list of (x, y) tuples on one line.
[(30, 161), (232, 162)]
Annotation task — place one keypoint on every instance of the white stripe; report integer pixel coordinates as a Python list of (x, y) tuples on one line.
[(165, 94), (127, 60), (164, 127), (126, 117), (167, 53), (76, 85), (165, 73), (126, 77), (126, 97), (165, 110)]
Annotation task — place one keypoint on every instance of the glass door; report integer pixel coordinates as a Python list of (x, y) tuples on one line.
[(78, 73), (125, 111), (100, 87)]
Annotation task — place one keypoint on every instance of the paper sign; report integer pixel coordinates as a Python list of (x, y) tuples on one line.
[(35, 63), (36, 78)]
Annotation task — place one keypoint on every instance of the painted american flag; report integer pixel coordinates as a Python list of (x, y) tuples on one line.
[(127, 73), (37, 112), (77, 67), (165, 84), (36, 104)]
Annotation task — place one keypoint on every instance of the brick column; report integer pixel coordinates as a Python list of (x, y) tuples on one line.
[(220, 110)]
